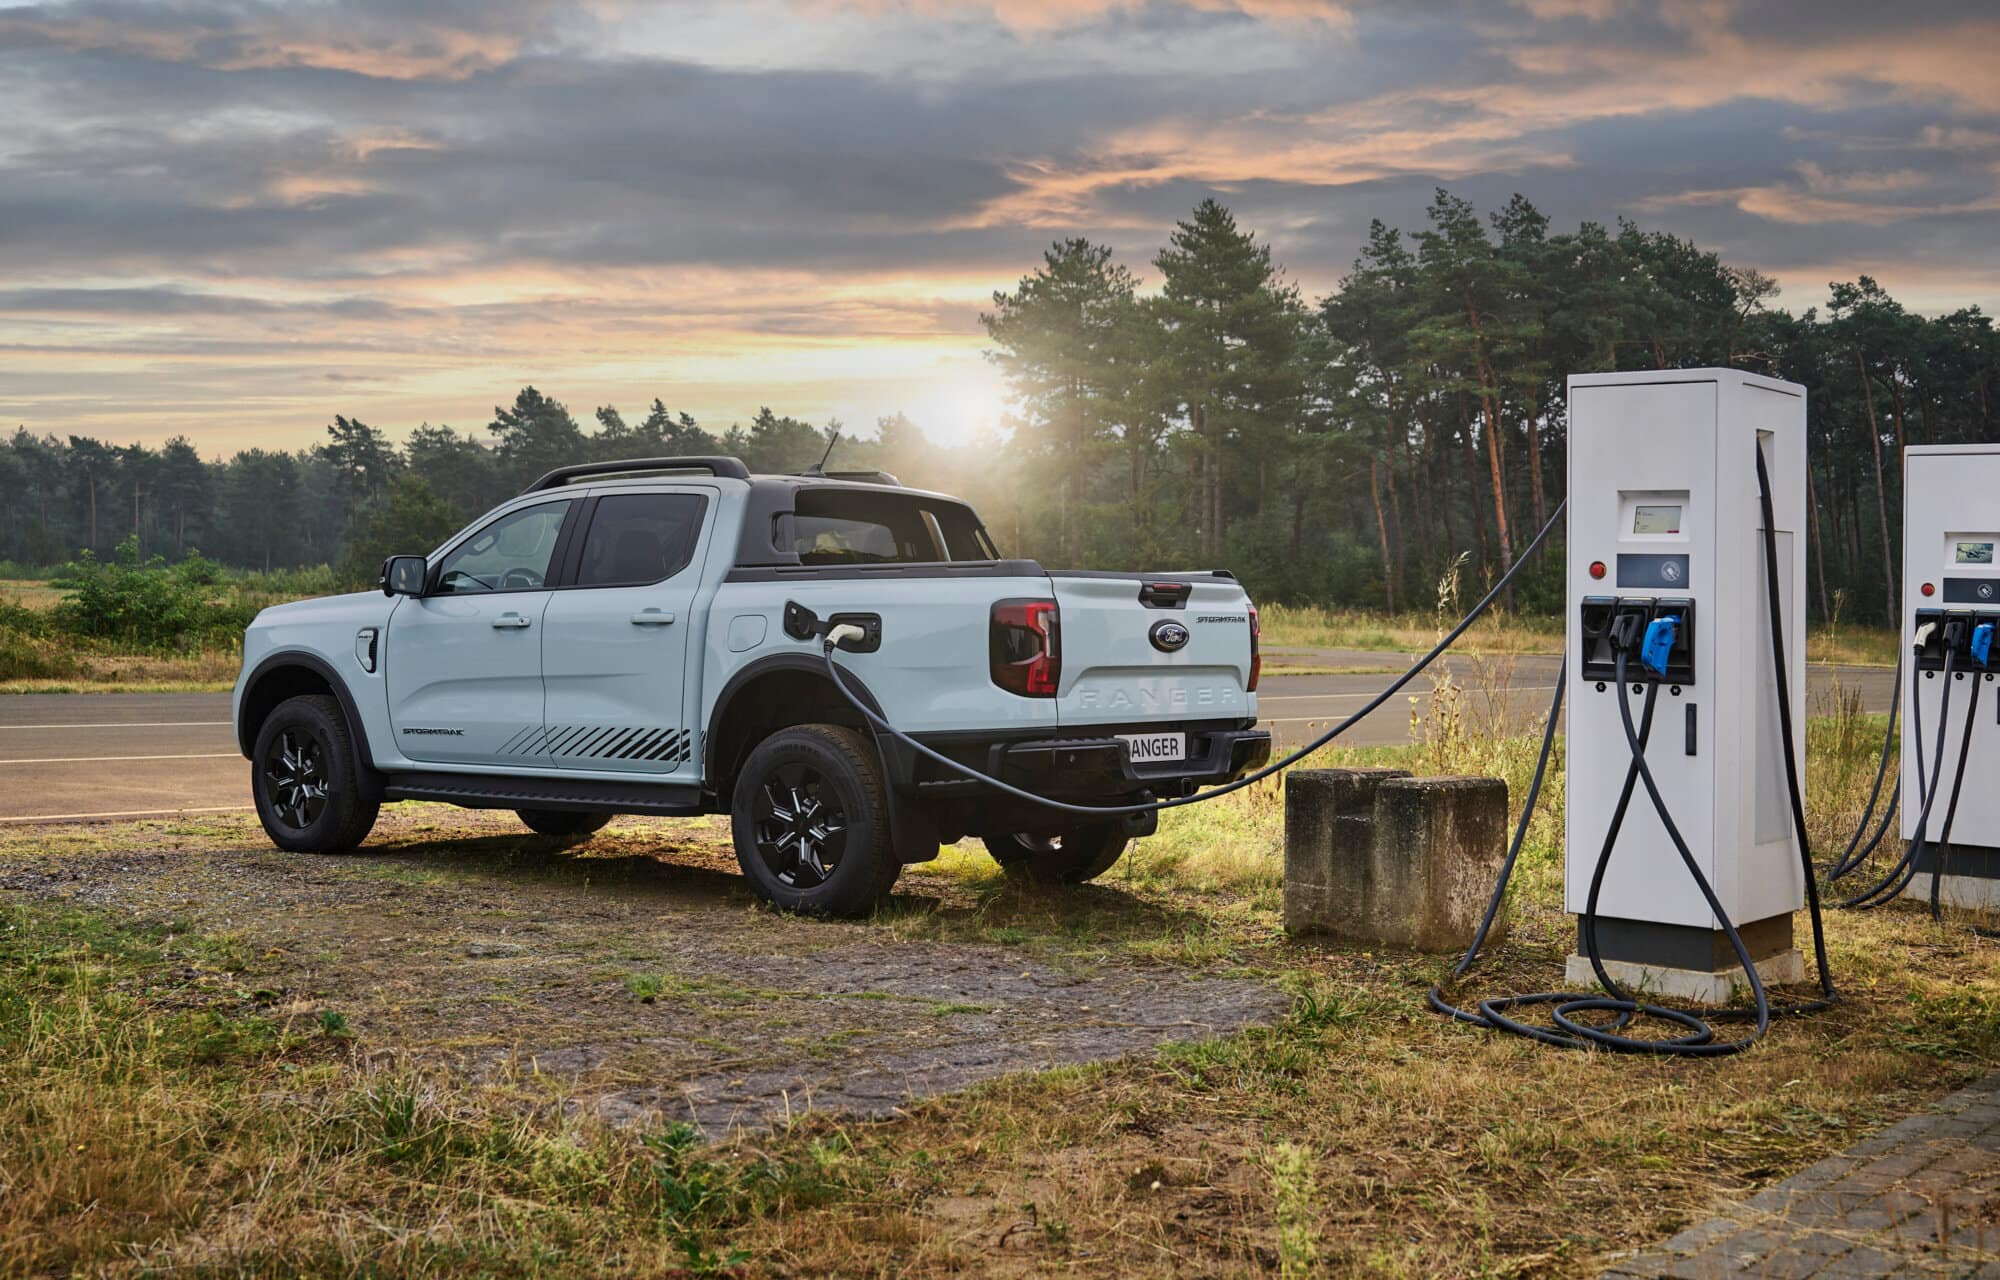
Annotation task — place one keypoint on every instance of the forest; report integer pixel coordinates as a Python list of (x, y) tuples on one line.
[(1341, 451)]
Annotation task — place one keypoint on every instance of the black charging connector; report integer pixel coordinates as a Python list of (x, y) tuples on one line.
[(1958, 628)]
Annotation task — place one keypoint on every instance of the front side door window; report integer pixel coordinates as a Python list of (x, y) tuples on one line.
[(511, 554)]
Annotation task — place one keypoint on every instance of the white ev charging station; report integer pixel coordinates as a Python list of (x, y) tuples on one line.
[(1951, 613), (1667, 564)]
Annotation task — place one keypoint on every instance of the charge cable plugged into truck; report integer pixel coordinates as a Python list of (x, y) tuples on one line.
[(1651, 648)]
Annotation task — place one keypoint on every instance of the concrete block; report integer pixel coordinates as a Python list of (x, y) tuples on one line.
[(1375, 857)]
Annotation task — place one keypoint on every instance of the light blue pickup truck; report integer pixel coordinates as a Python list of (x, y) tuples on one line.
[(624, 638)]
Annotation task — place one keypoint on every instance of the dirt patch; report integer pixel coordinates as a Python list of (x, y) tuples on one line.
[(636, 973)]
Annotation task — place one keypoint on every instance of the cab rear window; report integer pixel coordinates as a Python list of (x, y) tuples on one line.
[(851, 526)]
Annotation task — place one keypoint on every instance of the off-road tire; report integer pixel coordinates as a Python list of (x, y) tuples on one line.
[(835, 774), (1069, 857), (558, 824), (312, 793)]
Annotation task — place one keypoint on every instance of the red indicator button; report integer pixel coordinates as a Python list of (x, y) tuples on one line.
[(1597, 570), (1929, 588)]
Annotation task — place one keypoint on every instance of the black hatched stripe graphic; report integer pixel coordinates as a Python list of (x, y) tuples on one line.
[(602, 742)]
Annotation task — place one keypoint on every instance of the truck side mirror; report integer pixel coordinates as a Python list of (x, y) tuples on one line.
[(403, 576)]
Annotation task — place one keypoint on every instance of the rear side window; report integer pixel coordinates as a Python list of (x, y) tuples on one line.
[(640, 538), (849, 526)]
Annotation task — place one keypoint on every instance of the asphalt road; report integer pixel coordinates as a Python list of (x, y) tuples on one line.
[(114, 755)]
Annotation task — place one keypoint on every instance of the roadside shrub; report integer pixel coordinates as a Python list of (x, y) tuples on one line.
[(26, 655), (147, 601)]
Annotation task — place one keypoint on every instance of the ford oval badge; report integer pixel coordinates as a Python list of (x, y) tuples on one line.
[(1168, 636)]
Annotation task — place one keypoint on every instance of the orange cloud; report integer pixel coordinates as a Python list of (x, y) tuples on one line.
[(418, 50)]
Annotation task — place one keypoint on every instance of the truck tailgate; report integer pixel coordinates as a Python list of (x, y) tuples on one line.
[(1120, 663)]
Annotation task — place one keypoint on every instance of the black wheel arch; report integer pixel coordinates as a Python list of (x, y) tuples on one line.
[(728, 739), (784, 689), (288, 674)]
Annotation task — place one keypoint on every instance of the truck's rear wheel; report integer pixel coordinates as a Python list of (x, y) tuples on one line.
[(306, 778), (810, 817), (1070, 857), (561, 825)]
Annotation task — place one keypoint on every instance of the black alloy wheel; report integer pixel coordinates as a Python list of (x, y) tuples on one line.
[(801, 826), (313, 793), (295, 770), (810, 815)]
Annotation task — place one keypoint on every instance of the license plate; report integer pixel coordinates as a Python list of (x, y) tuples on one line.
[(1153, 748)]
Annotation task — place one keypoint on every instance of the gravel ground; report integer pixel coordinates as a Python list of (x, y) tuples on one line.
[(636, 969)]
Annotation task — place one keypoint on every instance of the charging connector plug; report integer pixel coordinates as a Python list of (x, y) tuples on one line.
[(1659, 643), (1982, 643), (1923, 637), (1625, 632)]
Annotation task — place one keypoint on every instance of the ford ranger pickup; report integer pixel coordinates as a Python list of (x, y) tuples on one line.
[(614, 640)]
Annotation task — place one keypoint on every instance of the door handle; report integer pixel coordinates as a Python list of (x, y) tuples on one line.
[(651, 618), (510, 621)]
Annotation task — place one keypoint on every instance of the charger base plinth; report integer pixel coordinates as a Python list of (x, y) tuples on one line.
[(1652, 959), (1971, 877)]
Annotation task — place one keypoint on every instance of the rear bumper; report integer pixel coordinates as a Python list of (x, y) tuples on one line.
[(1090, 765)]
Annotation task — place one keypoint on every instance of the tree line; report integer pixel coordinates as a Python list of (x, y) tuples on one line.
[(1344, 450)]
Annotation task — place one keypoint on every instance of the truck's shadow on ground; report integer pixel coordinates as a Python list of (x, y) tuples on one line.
[(694, 873)]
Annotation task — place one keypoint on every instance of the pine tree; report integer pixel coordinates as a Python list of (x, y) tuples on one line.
[(1231, 338)]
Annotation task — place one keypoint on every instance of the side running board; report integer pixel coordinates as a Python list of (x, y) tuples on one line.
[(580, 795)]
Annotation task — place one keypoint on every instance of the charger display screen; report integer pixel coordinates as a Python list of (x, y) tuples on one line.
[(1973, 553), (1660, 518)]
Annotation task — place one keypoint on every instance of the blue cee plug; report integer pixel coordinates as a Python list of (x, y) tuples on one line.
[(1659, 642), (1982, 642)]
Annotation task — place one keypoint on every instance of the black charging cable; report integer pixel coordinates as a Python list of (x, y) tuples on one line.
[(1951, 806), (874, 717), (1857, 854), (1892, 884)]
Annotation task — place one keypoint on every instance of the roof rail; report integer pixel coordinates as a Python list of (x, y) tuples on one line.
[(713, 464), (863, 477)]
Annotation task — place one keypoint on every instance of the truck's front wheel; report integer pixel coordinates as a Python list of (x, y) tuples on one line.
[(307, 779), (1069, 857), (810, 817)]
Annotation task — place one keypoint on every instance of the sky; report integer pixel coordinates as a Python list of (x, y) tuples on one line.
[(232, 219)]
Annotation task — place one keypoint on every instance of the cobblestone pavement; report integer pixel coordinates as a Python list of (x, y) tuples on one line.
[(1920, 1198)]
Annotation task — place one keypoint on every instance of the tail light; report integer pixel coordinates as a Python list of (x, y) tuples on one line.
[(1024, 648), (1256, 654)]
